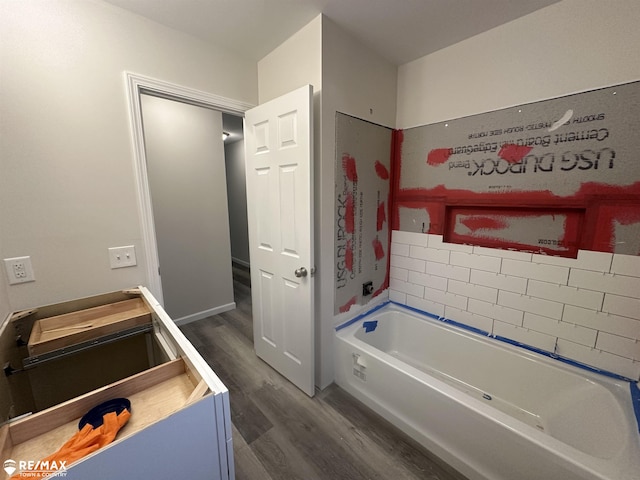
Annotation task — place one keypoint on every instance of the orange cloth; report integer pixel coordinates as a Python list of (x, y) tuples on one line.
[(86, 441)]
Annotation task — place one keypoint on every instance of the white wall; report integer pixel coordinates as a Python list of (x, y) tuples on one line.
[(355, 80), (4, 295), (360, 83), (295, 63), (67, 185), (568, 47)]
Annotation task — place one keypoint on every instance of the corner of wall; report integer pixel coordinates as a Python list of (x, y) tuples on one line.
[(293, 64), (365, 89)]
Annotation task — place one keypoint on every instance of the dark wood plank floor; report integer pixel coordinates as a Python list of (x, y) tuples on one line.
[(280, 433)]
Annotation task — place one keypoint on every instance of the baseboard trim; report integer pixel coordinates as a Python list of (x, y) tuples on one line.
[(204, 314)]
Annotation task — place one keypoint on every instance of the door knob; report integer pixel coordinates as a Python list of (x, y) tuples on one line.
[(301, 272)]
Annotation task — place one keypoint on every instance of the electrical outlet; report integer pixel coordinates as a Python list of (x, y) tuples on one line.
[(120, 257), (19, 270)]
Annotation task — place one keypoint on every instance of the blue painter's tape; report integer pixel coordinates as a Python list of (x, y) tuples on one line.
[(361, 316), (370, 326), (559, 358), (635, 399), (421, 312), (518, 344), (443, 319), (467, 327), (525, 346)]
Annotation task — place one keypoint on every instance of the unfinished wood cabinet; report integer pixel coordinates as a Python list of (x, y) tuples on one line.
[(180, 421), (54, 333)]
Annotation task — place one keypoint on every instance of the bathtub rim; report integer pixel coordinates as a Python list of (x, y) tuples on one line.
[(484, 333), (596, 466)]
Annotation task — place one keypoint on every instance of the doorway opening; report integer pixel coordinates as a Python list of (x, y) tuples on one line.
[(235, 168), (137, 86)]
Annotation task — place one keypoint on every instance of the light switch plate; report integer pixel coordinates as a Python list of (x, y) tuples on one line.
[(120, 257), (19, 270)]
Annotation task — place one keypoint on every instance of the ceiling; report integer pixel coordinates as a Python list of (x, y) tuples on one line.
[(399, 30)]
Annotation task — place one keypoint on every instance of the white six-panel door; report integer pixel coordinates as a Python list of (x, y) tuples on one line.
[(279, 145)]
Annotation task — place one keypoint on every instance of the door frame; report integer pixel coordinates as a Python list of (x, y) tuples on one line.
[(135, 86)]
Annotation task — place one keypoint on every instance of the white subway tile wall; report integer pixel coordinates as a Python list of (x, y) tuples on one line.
[(476, 262), (433, 308), (497, 312), (625, 265), (424, 279), (431, 254), (469, 318), (586, 309)]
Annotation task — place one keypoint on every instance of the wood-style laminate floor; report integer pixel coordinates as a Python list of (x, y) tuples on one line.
[(280, 433)]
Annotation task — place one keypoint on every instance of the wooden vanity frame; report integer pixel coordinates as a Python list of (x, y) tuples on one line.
[(180, 423)]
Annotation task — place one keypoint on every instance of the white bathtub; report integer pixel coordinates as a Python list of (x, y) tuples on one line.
[(490, 409)]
